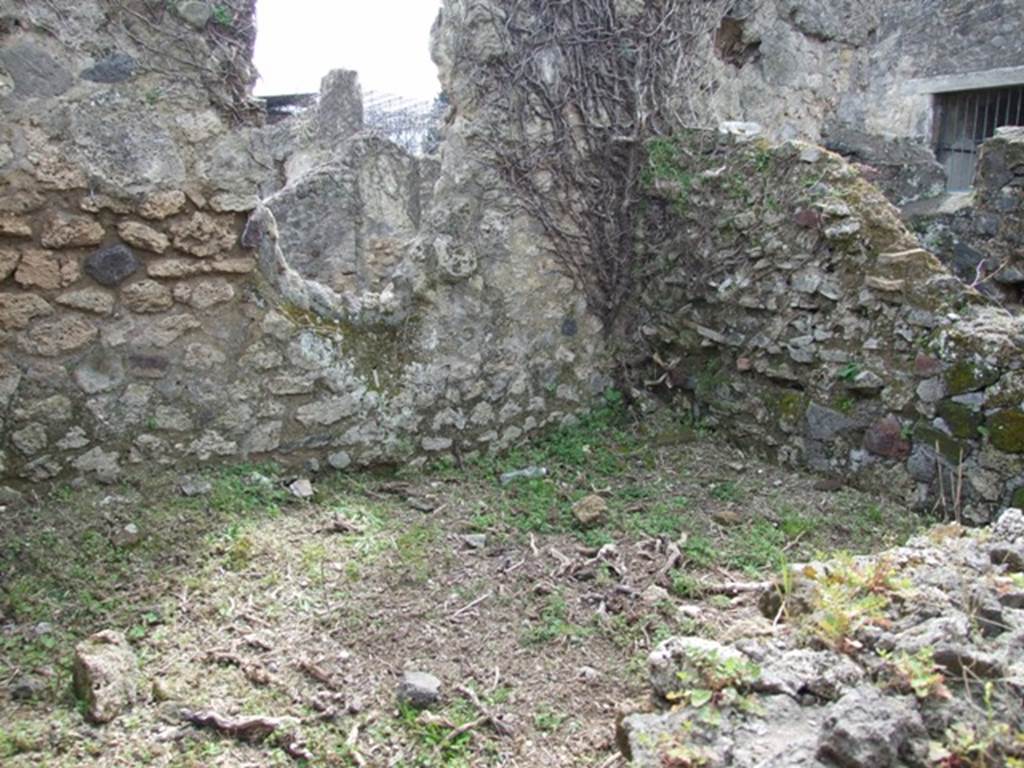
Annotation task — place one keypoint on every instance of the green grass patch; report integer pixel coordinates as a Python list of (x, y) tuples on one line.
[(553, 623)]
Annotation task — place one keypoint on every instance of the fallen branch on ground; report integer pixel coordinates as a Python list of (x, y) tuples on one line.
[(251, 730), (343, 526), (499, 725), (674, 558), (350, 743), (564, 563), (318, 674), (470, 606), (734, 588)]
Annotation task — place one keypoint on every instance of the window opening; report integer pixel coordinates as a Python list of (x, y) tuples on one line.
[(966, 119)]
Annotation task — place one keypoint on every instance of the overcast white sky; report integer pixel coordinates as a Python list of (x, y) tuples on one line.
[(386, 41)]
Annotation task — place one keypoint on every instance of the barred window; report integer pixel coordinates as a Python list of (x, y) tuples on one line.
[(965, 120)]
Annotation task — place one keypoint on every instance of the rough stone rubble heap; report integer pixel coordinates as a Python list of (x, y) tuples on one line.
[(909, 658)]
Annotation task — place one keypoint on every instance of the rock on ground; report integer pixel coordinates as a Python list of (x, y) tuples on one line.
[(419, 689), (106, 675)]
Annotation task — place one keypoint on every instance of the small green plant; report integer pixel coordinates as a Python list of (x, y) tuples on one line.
[(988, 744), (222, 15), (553, 623), (845, 404), (710, 379), (984, 746), (433, 733), (851, 596), (793, 524), (665, 518), (686, 586), (763, 158), (667, 162), (727, 491), (850, 371), (240, 552), (17, 740), (708, 679), (413, 547), (917, 674), (548, 720)]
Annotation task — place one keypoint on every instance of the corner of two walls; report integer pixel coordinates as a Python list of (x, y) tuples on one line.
[(137, 330), (800, 316)]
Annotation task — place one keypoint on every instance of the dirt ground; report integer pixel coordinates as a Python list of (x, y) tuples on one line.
[(244, 599)]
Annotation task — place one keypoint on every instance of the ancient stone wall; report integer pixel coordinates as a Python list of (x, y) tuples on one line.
[(797, 313), (180, 283), (349, 324)]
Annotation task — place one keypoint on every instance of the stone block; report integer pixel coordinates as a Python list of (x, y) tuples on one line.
[(57, 337), (204, 294), (106, 675), (885, 438), (93, 300), (17, 310), (143, 237), (112, 266), (8, 263), (147, 297), (46, 270), (866, 729), (204, 236), (161, 205), (34, 72), (1006, 430), (419, 689), (15, 226), (112, 68), (64, 231)]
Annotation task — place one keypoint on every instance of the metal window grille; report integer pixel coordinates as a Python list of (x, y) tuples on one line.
[(406, 122), (966, 119)]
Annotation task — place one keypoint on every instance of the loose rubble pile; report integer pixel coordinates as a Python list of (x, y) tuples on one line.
[(908, 658)]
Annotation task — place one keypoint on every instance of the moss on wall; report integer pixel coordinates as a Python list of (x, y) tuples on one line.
[(378, 353), (1006, 431)]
